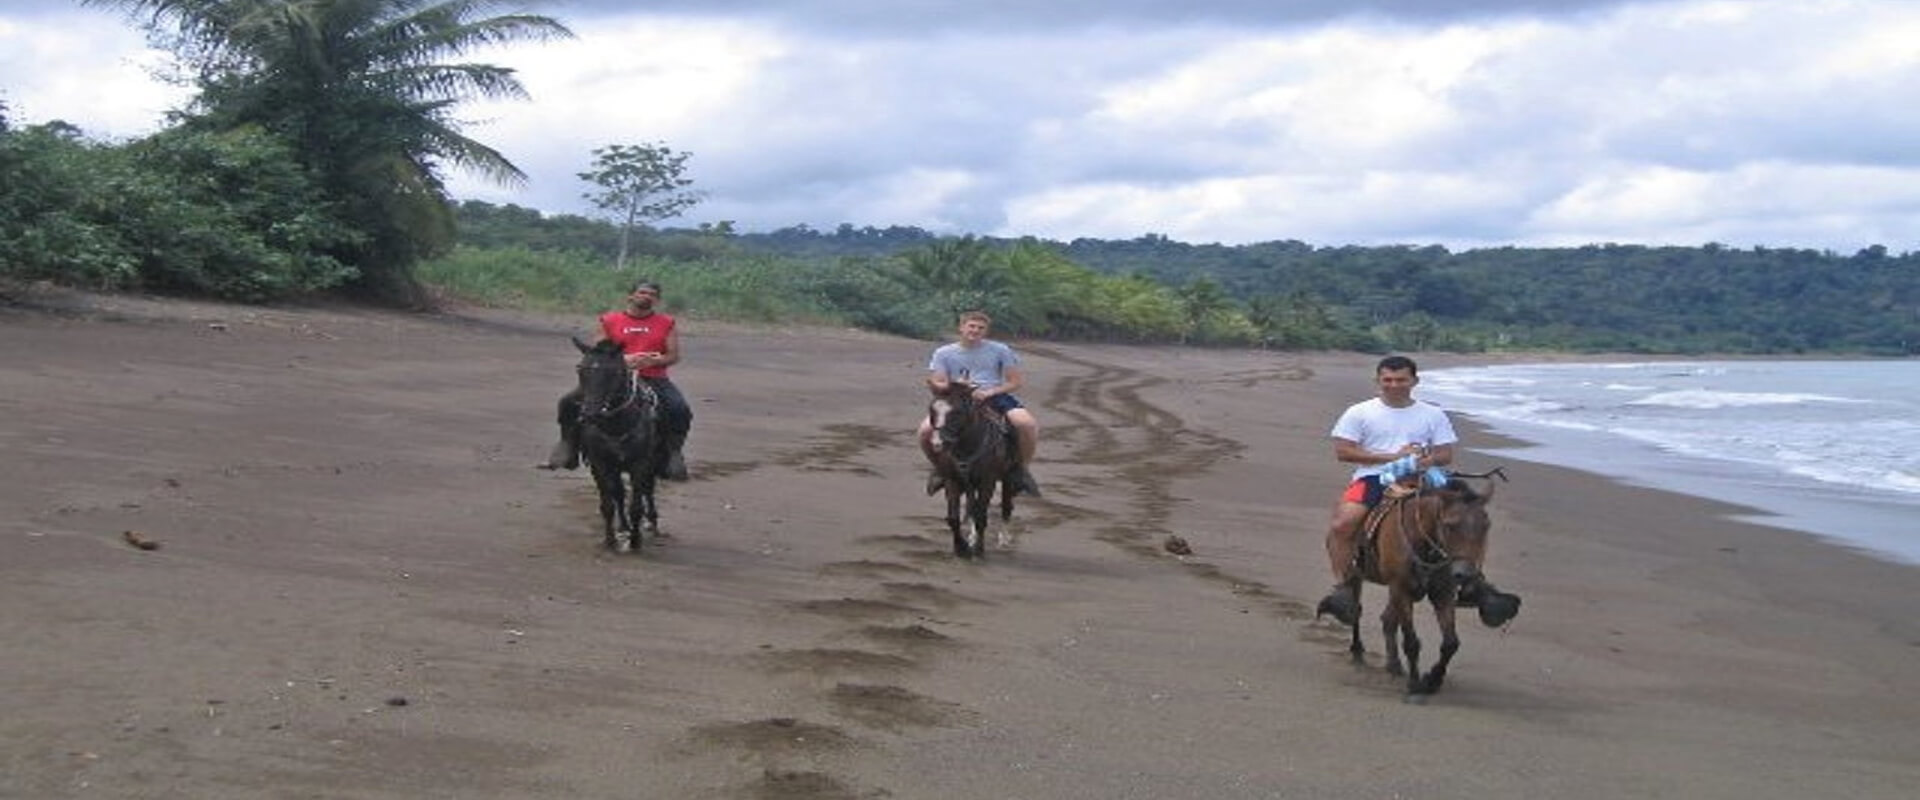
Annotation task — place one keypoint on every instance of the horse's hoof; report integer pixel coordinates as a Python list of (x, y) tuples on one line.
[(1416, 698), (1498, 608)]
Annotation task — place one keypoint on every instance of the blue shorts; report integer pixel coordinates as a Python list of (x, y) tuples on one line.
[(1004, 403)]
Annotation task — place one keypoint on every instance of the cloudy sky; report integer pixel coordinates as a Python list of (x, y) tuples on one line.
[(1465, 123)]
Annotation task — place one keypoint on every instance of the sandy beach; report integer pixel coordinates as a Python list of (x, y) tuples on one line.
[(358, 587)]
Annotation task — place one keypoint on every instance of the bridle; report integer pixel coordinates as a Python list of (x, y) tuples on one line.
[(632, 393), (1434, 555)]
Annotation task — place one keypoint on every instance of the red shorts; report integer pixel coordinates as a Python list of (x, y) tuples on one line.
[(1365, 491)]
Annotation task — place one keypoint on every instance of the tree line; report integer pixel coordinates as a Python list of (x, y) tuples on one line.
[(1291, 295)]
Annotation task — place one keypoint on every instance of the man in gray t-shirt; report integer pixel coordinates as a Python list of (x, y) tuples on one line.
[(994, 370)]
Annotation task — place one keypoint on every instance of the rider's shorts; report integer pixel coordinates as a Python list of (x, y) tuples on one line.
[(1004, 403), (1366, 491)]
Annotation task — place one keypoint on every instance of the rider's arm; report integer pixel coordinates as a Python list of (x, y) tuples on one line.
[(1011, 379), (937, 381), (668, 356), (670, 352), (1350, 452)]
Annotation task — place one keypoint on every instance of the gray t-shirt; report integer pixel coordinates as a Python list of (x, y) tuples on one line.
[(984, 366)]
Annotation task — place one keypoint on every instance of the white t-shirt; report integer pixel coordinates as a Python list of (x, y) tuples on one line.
[(1381, 428)]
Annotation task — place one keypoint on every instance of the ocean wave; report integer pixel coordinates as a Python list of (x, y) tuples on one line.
[(1710, 399)]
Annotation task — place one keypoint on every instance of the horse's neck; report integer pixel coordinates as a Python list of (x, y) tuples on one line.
[(985, 427), (633, 413)]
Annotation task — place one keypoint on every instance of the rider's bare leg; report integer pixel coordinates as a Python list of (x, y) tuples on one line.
[(1026, 431), (1342, 532)]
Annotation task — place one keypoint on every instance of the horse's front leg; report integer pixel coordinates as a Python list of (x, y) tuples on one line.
[(612, 503), (978, 505), (1443, 613), (1004, 533), (1395, 631), (953, 519), (1400, 612), (641, 514)]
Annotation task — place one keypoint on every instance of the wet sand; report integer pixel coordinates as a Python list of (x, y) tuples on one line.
[(360, 589)]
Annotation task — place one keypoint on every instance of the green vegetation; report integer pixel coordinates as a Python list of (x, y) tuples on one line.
[(359, 98), (1283, 295)]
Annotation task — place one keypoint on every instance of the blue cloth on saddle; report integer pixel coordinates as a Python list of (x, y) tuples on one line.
[(1405, 467)]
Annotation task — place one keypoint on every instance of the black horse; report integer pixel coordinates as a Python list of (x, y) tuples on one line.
[(619, 438), (974, 458)]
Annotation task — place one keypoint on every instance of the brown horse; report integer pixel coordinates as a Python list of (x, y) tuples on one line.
[(973, 456), (1430, 543)]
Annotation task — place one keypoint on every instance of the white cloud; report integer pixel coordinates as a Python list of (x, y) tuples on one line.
[(92, 73), (1465, 124)]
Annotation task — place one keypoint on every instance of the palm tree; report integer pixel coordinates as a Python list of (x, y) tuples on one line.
[(363, 92)]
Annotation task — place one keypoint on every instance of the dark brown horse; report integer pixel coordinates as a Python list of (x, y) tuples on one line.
[(973, 455), (1430, 544), (619, 434)]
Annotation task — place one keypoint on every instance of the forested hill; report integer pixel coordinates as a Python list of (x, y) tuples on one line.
[(1619, 297), (1612, 297)]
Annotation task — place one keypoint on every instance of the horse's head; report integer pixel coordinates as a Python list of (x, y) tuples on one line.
[(1462, 518), (606, 384), (950, 412)]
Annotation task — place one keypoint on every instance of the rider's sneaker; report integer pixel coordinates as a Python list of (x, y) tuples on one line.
[(676, 467), (1024, 483), (935, 482), (1342, 604), (564, 456)]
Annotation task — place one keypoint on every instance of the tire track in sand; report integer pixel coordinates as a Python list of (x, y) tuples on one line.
[(1132, 442)]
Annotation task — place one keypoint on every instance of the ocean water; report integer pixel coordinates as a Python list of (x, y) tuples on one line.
[(1830, 448)]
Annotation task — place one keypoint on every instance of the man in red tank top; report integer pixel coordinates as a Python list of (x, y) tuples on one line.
[(651, 341)]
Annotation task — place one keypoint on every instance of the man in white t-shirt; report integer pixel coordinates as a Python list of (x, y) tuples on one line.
[(1372, 435)]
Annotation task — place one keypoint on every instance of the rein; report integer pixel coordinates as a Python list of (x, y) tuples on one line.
[(636, 390), (1411, 516)]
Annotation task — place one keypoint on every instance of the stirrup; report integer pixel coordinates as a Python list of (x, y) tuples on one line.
[(1343, 604), (1023, 482)]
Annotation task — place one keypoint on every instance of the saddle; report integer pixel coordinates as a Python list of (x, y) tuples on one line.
[(1367, 549)]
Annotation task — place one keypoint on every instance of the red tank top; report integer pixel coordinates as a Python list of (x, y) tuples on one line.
[(646, 334)]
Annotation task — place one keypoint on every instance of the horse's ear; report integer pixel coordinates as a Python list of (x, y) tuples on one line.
[(1468, 494), (582, 346)]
